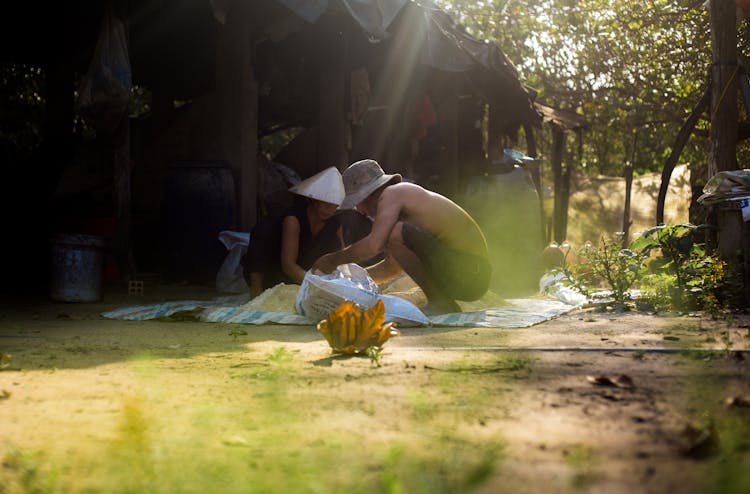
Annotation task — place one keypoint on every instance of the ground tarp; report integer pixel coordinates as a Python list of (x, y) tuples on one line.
[(517, 313)]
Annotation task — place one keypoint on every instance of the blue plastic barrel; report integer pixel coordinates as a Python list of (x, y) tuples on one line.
[(76, 271)]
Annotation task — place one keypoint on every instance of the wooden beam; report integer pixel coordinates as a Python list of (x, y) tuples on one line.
[(237, 91), (494, 133), (722, 149), (449, 166), (558, 147), (333, 134)]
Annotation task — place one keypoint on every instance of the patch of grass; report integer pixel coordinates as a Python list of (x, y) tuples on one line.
[(280, 356), (682, 328), (582, 461), (5, 359), (703, 355), (517, 363), (267, 449), (508, 363), (459, 467), (237, 331), (421, 406), (26, 472), (706, 398)]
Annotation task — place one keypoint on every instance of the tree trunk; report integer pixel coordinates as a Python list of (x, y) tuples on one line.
[(677, 147)]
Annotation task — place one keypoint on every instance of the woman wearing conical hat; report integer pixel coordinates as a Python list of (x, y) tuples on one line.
[(281, 250)]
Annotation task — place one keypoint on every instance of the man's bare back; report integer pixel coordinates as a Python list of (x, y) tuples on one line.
[(425, 234), (435, 214)]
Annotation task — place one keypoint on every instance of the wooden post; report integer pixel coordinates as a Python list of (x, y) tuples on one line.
[(238, 98), (449, 170), (565, 194), (558, 146), (628, 192), (332, 124), (722, 149), (122, 169), (494, 133)]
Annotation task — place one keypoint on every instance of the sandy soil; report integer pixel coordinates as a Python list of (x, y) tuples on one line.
[(95, 405)]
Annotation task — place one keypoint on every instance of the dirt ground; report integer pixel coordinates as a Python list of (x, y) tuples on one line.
[(596, 400)]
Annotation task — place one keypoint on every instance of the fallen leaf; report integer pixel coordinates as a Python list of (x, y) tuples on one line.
[(600, 381), (621, 381), (702, 440), (738, 401), (624, 381), (236, 441)]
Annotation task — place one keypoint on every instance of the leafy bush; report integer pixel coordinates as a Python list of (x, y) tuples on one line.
[(672, 269), (683, 276), (605, 266)]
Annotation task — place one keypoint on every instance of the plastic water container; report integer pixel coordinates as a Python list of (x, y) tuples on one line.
[(199, 203), (76, 272)]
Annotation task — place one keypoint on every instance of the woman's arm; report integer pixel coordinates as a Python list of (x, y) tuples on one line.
[(290, 229)]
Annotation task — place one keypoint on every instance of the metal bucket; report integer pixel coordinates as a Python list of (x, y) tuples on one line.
[(76, 272)]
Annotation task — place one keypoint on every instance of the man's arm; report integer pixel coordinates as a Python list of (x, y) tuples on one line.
[(389, 210), (385, 270), (358, 251)]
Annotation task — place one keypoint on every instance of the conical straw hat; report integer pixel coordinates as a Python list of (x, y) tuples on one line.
[(326, 186)]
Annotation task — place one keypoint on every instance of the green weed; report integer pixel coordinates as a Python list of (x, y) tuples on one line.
[(581, 460), (24, 471)]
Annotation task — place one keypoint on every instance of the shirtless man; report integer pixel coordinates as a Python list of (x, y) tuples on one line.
[(427, 235)]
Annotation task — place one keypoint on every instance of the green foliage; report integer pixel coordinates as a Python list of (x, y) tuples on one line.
[(672, 269), (21, 109), (606, 265), (375, 354), (24, 471), (624, 66), (684, 276), (5, 360)]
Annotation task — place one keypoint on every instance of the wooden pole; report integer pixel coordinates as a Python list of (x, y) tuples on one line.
[(449, 166), (238, 96), (722, 149), (558, 146), (628, 192), (536, 176), (494, 133), (332, 137)]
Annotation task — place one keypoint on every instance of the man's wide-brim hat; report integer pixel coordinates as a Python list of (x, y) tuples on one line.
[(361, 179), (326, 186)]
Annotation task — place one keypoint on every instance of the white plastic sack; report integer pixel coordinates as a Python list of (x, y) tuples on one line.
[(104, 92), (552, 284), (230, 277), (319, 295)]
